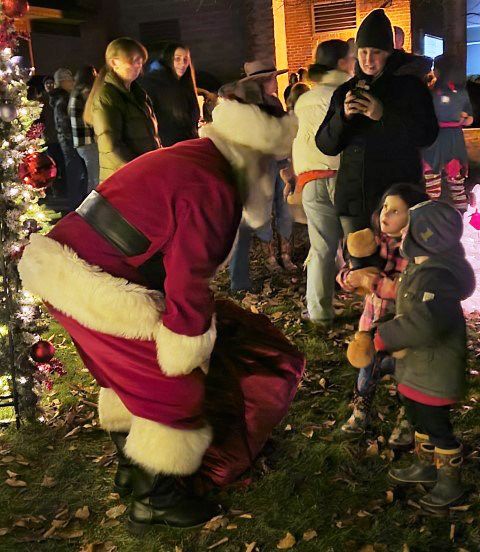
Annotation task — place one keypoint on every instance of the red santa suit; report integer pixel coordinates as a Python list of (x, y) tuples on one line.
[(149, 350)]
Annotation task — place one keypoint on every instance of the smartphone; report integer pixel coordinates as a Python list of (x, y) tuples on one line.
[(358, 92)]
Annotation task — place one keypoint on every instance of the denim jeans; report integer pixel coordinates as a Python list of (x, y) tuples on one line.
[(239, 264), (324, 232), (76, 178), (369, 377), (89, 154)]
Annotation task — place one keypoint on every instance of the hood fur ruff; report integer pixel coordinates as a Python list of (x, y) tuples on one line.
[(108, 304), (251, 141)]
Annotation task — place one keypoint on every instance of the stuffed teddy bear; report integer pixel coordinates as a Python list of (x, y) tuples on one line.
[(361, 350), (364, 255)]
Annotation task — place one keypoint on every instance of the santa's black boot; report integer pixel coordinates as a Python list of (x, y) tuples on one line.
[(123, 478), (449, 489), (422, 469), (160, 500)]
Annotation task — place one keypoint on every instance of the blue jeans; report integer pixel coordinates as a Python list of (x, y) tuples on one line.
[(239, 265), (89, 154), (325, 233), (369, 377)]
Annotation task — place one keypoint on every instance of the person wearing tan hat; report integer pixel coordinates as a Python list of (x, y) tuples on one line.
[(261, 81)]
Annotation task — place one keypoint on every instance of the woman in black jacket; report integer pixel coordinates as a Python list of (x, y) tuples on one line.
[(379, 121), (170, 83)]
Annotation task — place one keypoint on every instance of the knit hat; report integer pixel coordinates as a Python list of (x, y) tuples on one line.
[(435, 228), (62, 74), (375, 31)]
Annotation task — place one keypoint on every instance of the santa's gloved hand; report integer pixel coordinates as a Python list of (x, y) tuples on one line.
[(360, 352)]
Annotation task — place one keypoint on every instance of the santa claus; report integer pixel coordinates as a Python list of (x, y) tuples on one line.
[(128, 275)]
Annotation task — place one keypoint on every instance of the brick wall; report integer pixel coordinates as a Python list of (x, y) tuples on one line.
[(301, 40), (258, 25)]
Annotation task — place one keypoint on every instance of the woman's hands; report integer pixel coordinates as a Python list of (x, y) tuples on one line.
[(289, 181), (366, 105)]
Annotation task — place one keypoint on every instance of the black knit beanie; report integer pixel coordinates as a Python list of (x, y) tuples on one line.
[(435, 228), (375, 31)]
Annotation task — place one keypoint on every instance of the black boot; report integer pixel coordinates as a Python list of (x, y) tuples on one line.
[(160, 500), (422, 469), (449, 489), (123, 477)]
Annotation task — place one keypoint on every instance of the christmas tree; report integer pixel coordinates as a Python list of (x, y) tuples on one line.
[(25, 171)]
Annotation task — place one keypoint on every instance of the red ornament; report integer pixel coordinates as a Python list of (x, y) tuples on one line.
[(42, 351), (15, 8), (475, 220), (38, 170)]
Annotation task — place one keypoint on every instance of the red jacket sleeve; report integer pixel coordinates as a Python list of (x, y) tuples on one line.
[(202, 239)]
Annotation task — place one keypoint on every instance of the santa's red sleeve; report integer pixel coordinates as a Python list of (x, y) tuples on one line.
[(201, 241)]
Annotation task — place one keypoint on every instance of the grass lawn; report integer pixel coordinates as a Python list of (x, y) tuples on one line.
[(330, 495)]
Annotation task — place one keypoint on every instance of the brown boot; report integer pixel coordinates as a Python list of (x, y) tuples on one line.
[(286, 252), (271, 263)]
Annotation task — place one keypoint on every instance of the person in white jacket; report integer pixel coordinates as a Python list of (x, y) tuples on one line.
[(316, 175)]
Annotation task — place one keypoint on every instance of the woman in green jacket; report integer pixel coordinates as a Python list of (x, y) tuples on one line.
[(119, 109)]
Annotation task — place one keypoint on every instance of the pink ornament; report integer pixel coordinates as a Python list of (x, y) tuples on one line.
[(475, 220)]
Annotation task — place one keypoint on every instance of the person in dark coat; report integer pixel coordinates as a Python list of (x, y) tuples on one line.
[(83, 135), (119, 110), (414, 64), (50, 134), (170, 83), (378, 121), (75, 172), (428, 337)]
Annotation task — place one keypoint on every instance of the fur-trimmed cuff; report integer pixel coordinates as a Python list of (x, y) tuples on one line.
[(87, 293), (179, 354), (113, 414), (162, 449)]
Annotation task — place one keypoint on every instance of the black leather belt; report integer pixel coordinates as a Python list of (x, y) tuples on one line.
[(110, 224)]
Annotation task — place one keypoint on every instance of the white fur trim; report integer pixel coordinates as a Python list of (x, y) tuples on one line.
[(179, 354), (108, 304), (113, 414), (250, 140), (85, 292), (162, 449), (247, 125)]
